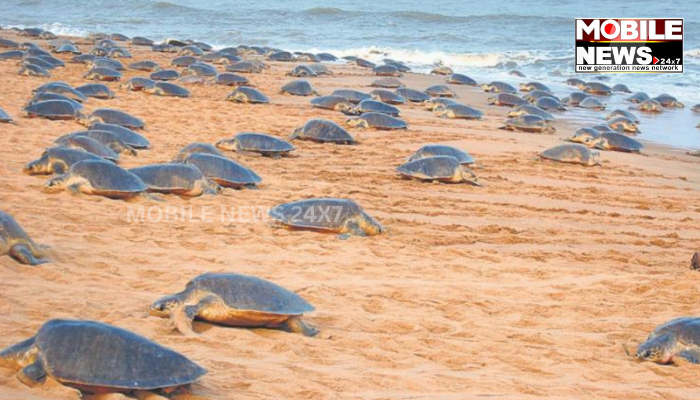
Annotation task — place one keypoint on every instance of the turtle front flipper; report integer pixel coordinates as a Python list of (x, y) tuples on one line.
[(296, 325), (183, 317), (22, 253), (691, 355), (354, 228), (33, 374)]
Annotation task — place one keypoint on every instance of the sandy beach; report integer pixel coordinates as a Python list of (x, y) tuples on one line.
[(525, 288)]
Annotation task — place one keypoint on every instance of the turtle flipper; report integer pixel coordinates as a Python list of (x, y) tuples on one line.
[(22, 253), (33, 374), (296, 325), (691, 355), (354, 228), (184, 316)]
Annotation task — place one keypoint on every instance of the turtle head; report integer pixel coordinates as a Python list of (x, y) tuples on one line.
[(515, 113), (598, 143), (549, 129), (357, 123), (582, 137), (492, 100), (84, 120), (56, 184), (297, 133), (486, 88), (656, 349), (42, 166), (164, 307), (227, 144), (470, 177)]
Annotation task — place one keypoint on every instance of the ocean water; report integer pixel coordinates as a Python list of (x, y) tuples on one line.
[(471, 37)]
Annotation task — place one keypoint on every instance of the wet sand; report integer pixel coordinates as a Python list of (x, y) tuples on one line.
[(525, 288)]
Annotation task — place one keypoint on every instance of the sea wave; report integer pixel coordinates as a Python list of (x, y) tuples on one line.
[(325, 11)]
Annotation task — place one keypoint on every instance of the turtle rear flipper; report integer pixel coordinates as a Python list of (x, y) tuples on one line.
[(22, 253), (33, 374), (296, 325), (691, 355)]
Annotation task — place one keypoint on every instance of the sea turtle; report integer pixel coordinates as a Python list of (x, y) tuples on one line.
[(96, 90), (377, 121), (119, 52), (194, 80), (107, 138), (361, 62), (386, 70), (459, 79), (433, 150), (235, 300), (572, 153), (530, 86), (437, 168), (615, 142), (12, 55), (167, 89), (584, 135), (442, 71), (320, 69), (99, 51), (31, 32), (83, 59), (141, 41), (246, 66), (246, 94), (33, 70), (183, 61), (126, 135), (196, 148), (597, 88), (387, 97), (106, 63), (4, 116), (67, 48), (528, 123), (440, 91), (175, 178), (623, 124), (413, 95), (458, 111), (602, 128), (549, 103), (592, 103), (201, 69), (575, 98), (40, 62), (164, 48), (373, 106), (650, 106), (336, 103), (668, 101), (58, 160), (327, 57), (342, 216), (535, 95), (284, 56), (322, 131), (499, 87), (88, 144), (224, 171), (679, 338), (389, 83), (696, 108), (138, 83), (353, 96), (302, 71), (638, 97), (622, 113), (8, 44), (96, 357), (221, 58), (100, 178), (165, 75), (231, 79), (527, 109), (53, 61), (506, 100), (15, 243), (62, 88), (620, 88), (103, 74), (53, 110), (190, 50), (111, 116), (119, 37), (435, 102), (299, 87), (266, 145), (399, 65)]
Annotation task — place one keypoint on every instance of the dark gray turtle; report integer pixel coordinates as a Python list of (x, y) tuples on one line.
[(433, 150), (336, 103), (284, 56), (585, 136), (111, 116), (12, 55), (165, 75), (622, 113), (246, 94), (299, 87), (387, 97), (164, 48), (4, 116), (623, 124), (530, 86), (535, 95), (99, 178), (668, 101), (183, 62), (53, 61), (504, 99), (678, 338), (412, 95), (62, 88), (221, 58), (175, 178), (39, 62), (53, 109), (196, 148), (119, 53), (340, 216), (31, 32), (437, 168), (8, 44), (373, 106), (320, 69), (88, 144), (15, 243), (527, 109), (650, 106), (353, 96), (194, 80), (602, 128), (235, 300), (224, 171), (103, 74), (106, 63), (442, 71), (231, 79), (435, 102), (83, 59), (167, 89), (96, 90), (615, 142), (597, 88), (138, 83), (96, 357), (620, 88), (499, 87), (148, 66), (386, 70), (440, 91), (322, 131), (696, 108), (266, 145), (127, 135), (638, 97), (141, 41), (399, 65), (459, 79), (572, 153), (33, 70), (119, 37), (58, 160), (327, 57), (201, 69), (302, 71), (360, 62), (99, 51), (549, 103), (377, 121), (190, 50), (592, 103), (246, 67), (67, 48), (457, 111), (390, 83), (107, 138), (528, 123)]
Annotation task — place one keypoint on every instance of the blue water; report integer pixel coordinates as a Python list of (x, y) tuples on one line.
[(470, 37)]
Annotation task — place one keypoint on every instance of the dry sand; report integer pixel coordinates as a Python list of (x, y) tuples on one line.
[(525, 288)]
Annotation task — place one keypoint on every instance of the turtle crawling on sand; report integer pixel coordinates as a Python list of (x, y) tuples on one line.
[(235, 300), (322, 131), (437, 169), (98, 177), (678, 338), (15, 242), (573, 154), (179, 179), (377, 121), (528, 123), (341, 216), (266, 145), (96, 357)]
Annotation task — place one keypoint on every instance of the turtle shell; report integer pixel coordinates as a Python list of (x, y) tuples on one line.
[(331, 102), (387, 97), (262, 143), (116, 117), (201, 69), (148, 66), (390, 83), (592, 103), (353, 96), (367, 106), (311, 213), (167, 89), (184, 61), (527, 109), (62, 88), (413, 95), (439, 168), (4, 116), (506, 99), (499, 87), (620, 142), (107, 178), (141, 41), (459, 79), (58, 157), (549, 103), (169, 178), (638, 97), (139, 83), (87, 353), (459, 111), (128, 136), (96, 90), (382, 121), (620, 88), (597, 88), (572, 153), (88, 144), (440, 91), (224, 171), (231, 79), (250, 95), (165, 75), (386, 70), (299, 87), (53, 109), (622, 113), (196, 148), (323, 131), (103, 74), (433, 150)]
